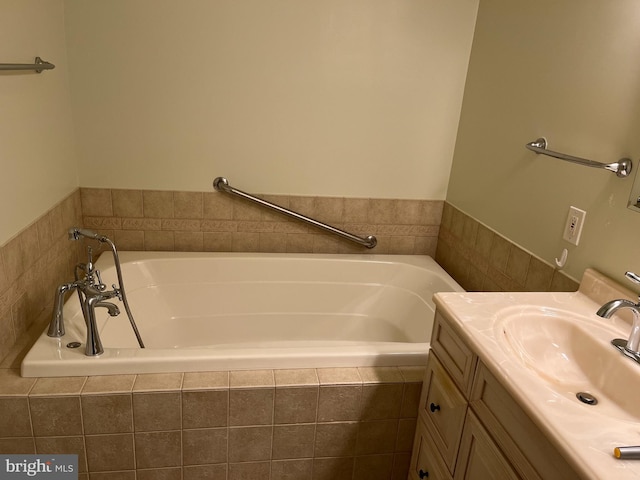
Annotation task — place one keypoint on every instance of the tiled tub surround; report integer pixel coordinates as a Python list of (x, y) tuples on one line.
[(307, 424), (216, 222), (482, 260), (32, 265)]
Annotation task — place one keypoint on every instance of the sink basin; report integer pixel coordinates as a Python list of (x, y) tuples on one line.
[(571, 354)]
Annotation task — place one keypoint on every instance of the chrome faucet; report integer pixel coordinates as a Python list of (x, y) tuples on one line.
[(630, 347), (92, 293)]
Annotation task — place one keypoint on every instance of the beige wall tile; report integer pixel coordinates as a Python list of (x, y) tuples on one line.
[(381, 401), (14, 421), (11, 383), (249, 471), (56, 416), (410, 400), (338, 376), (171, 473), (539, 276), (380, 375), (96, 201), (204, 446), (217, 242), (124, 475), (204, 472), (109, 384), (249, 444), (58, 386), (301, 469), (336, 439), (158, 449), (412, 374), (381, 464), (63, 445), (151, 382), (107, 414), (251, 379), (129, 240), (127, 203), (296, 404), (189, 241), (245, 242), (518, 265), (156, 411), (333, 468), (293, 441), (188, 204), (406, 432), (205, 380), (401, 465), (110, 452), (296, 377), (217, 206), (162, 241), (377, 436), (201, 409), (339, 403), (251, 406), (157, 204), (17, 445)]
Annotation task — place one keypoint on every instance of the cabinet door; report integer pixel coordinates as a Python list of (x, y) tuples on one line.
[(479, 457), (443, 408), (426, 462)]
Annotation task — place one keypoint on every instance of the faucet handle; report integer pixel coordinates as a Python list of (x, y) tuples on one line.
[(632, 277), (100, 286)]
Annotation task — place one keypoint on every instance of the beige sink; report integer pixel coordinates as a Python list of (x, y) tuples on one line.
[(571, 354)]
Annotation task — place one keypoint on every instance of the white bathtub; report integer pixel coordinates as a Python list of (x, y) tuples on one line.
[(225, 311)]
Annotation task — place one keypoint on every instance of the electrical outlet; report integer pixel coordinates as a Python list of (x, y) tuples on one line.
[(573, 227)]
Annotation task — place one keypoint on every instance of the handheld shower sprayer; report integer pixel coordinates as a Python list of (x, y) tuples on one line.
[(75, 234)]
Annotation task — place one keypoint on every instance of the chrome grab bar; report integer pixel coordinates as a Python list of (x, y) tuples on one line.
[(221, 184), (622, 168), (39, 65)]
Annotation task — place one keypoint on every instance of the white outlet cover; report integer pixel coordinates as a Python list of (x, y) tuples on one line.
[(573, 227)]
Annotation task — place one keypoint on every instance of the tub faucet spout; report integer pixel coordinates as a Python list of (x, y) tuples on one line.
[(631, 346)]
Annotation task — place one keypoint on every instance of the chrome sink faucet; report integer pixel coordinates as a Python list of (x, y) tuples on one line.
[(92, 293), (630, 347)]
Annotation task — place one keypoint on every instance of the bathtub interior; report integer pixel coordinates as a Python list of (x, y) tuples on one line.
[(227, 308)]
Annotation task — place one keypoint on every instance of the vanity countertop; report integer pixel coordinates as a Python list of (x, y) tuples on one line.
[(585, 434)]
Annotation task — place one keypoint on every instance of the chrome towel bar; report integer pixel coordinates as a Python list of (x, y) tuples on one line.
[(39, 65), (622, 168), (221, 184)]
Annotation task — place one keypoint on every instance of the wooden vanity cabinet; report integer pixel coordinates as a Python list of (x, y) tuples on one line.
[(469, 426)]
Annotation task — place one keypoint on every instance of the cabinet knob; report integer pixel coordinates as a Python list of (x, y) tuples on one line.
[(423, 474), (434, 408)]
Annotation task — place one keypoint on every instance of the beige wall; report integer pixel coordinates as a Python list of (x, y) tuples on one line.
[(353, 98), (36, 136), (568, 71)]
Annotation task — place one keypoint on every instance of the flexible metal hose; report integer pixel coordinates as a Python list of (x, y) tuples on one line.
[(116, 260)]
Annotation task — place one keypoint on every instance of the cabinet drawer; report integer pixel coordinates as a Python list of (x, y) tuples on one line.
[(425, 460), (443, 408), (453, 352), (479, 457), (531, 454)]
